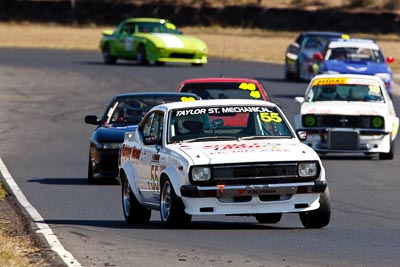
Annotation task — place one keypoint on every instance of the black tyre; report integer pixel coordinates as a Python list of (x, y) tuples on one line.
[(269, 217), (90, 175), (320, 217), (141, 58), (172, 210), (107, 56), (389, 155), (133, 211), (197, 64)]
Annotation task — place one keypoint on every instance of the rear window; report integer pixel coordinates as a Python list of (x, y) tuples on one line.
[(237, 90)]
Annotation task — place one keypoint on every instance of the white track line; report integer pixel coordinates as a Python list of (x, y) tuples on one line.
[(43, 228)]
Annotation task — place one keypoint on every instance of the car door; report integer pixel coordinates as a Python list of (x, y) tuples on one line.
[(125, 40), (150, 159)]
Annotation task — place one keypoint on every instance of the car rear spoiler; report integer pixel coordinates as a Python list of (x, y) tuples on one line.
[(107, 32)]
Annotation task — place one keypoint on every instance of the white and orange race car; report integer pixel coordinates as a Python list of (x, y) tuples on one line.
[(348, 113), (183, 160)]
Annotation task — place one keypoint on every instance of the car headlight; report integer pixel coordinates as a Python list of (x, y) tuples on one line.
[(107, 145), (201, 174), (307, 169), (377, 122), (309, 120)]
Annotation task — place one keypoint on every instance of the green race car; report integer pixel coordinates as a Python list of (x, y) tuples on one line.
[(151, 40)]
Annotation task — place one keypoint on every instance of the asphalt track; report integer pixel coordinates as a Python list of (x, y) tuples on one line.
[(44, 143)]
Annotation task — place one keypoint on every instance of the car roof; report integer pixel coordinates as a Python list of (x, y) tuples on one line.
[(159, 20), (322, 33), (219, 79), (216, 102), (352, 42), (155, 94)]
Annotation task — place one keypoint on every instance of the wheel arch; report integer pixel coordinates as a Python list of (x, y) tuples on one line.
[(108, 42), (173, 176), (128, 172)]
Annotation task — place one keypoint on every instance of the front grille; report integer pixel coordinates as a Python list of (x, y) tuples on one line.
[(343, 121), (182, 55), (255, 173)]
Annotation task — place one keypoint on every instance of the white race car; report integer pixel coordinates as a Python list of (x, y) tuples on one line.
[(348, 113), (184, 160)]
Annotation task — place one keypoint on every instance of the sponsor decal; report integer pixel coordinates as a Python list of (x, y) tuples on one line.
[(189, 98), (268, 116), (129, 43), (327, 81), (136, 153), (330, 81), (221, 149), (254, 93)]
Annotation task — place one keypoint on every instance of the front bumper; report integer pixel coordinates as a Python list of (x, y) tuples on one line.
[(348, 140), (252, 199), (105, 163)]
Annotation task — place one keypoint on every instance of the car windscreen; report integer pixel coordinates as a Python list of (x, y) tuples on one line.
[(237, 90), (355, 54), (127, 111), (156, 27), (345, 92), (227, 123)]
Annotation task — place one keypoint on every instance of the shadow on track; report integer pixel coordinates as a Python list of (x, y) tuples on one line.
[(195, 225), (72, 181)]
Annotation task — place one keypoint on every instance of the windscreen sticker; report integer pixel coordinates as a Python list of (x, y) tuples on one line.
[(219, 110), (254, 93), (248, 86), (328, 81), (187, 98), (170, 26), (270, 116)]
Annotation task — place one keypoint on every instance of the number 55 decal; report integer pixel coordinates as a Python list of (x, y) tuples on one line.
[(270, 116), (154, 183)]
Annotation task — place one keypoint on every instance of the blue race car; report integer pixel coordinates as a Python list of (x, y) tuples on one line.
[(354, 56)]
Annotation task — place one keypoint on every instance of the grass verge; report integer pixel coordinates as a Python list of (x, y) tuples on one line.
[(14, 248)]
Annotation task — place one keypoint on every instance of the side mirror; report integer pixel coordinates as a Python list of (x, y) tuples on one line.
[(92, 119), (299, 99), (318, 57), (302, 135), (149, 140), (390, 59)]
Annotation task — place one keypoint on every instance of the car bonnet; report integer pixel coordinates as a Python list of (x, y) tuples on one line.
[(204, 153), (352, 67), (167, 40), (344, 108)]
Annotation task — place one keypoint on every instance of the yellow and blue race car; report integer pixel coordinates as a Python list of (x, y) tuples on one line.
[(151, 40)]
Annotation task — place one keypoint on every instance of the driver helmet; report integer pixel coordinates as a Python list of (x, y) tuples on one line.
[(328, 92), (133, 111)]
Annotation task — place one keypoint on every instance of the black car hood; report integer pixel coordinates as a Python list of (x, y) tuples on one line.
[(113, 134)]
